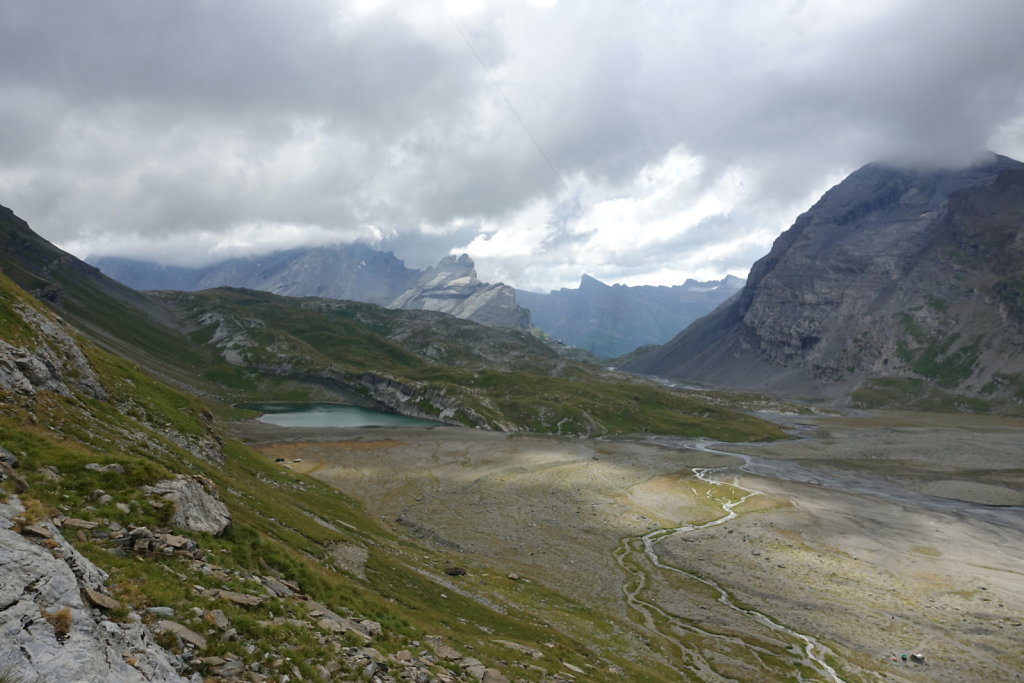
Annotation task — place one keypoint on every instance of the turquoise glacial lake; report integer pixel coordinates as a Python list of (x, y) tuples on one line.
[(331, 415)]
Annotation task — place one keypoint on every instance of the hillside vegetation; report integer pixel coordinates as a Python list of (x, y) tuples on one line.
[(431, 365), (87, 445), (104, 416)]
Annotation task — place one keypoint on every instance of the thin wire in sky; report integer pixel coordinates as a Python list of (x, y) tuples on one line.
[(515, 112)]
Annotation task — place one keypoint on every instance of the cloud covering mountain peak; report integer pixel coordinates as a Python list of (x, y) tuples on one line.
[(643, 143)]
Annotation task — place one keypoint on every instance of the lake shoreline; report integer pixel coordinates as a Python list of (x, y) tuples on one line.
[(300, 415)]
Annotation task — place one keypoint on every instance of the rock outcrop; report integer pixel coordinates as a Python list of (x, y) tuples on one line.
[(452, 287), (54, 363), (196, 506), (893, 273), (611, 320), (47, 631)]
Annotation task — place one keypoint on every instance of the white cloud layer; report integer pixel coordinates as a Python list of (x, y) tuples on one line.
[(682, 136)]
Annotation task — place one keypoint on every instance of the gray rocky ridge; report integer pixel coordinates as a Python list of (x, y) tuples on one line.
[(894, 272), (353, 272), (611, 320), (452, 287)]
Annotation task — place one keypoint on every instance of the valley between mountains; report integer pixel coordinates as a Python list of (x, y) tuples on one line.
[(821, 480)]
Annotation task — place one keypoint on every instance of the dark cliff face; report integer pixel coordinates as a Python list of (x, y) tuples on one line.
[(892, 273)]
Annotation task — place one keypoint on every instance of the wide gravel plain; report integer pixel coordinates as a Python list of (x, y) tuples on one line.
[(895, 534)]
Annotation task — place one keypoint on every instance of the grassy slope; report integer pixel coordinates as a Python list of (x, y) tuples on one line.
[(516, 382), (315, 348), (273, 530), (510, 379)]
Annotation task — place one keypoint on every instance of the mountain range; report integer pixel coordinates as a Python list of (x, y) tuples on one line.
[(612, 320), (899, 287), (605, 320), (142, 540), (352, 271), (241, 344), (902, 286)]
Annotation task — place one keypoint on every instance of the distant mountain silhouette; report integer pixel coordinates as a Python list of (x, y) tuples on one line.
[(354, 271), (611, 320)]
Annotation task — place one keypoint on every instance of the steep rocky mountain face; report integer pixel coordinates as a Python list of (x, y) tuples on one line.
[(908, 281), (613, 320), (452, 287), (354, 272)]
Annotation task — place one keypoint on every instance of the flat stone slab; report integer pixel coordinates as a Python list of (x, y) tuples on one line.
[(36, 530), (519, 648), (183, 632), (75, 523), (443, 649), (99, 599), (237, 598)]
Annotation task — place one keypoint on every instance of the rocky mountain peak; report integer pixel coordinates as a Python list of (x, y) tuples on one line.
[(590, 283), (461, 263), (341, 271), (452, 287), (895, 272)]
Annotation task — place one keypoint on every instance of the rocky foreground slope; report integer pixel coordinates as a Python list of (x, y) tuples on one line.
[(139, 542), (906, 283)]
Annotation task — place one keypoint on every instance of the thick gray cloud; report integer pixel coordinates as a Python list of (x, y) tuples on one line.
[(685, 135)]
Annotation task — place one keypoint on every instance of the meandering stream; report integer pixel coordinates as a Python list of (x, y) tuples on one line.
[(646, 545)]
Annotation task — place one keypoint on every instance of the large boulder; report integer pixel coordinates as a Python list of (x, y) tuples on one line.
[(196, 505)]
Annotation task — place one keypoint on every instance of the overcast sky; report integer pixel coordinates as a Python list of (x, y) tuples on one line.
[(642, 142)]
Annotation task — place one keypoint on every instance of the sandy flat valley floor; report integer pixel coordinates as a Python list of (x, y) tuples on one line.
[(872, 537)]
